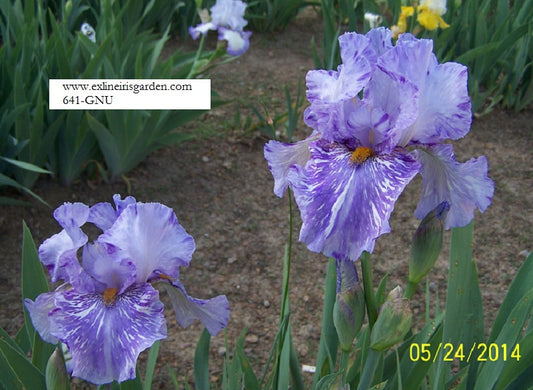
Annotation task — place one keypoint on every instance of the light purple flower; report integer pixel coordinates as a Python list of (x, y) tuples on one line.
[(107, 311), (379, 120), (227, 16)]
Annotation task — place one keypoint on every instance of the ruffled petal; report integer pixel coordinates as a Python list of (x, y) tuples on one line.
[(106, 340), (229, 13), (40, 315), (70, 217), (444, 108), (345, 206), (464, 186), (150, 235), (106, 264), (59, 255), (102, 215), (281, 156), (213, 313), (238, 42), (357, 65)]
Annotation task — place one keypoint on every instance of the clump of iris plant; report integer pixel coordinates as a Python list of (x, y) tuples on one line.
[(107, 311), (384, 116), (226, 17)]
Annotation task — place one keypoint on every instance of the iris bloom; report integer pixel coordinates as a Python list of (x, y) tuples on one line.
[(378, 121), (227, 17), (107, 311), (401, 27), (430, 14)]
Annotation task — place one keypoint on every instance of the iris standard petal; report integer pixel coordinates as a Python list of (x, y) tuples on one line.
[(70, 217), (149, 234), (444, 108), (106, 339), (281, 156), (229, 13), (213, 313), (107, 265), (238, 41), (102, 215), (59, 254), (464, 186), (40, 315), (357, 65), (345, 206)]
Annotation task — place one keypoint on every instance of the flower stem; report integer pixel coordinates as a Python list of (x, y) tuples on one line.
[(370, 297), (410, 290), (193, 72)]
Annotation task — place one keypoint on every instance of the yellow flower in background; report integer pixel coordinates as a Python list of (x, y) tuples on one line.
[(430, 14), (401, 27)]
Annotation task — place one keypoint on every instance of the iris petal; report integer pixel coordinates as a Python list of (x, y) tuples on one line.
[(40, 315), (105, 340), (464, 186), (281, 156), (238, 41), (444, 108), (213, 313), (149, 234), (345, 206)]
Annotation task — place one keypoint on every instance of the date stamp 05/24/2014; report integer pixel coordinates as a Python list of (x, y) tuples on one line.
[(482, 352)]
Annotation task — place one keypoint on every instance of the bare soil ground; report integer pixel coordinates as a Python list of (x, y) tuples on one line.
[(221, 190)]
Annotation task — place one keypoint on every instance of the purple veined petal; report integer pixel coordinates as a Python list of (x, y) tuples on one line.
[(70, 217), (238, 42), (102, 215), (445, 110), (105, 340), (107, 266), (59, 255), (281, 156), (380, 40), (202, 28), (399, 99), (40, 315), (371, 126), (213, 313), (351, 76), (229, 14), (464, 186), (150, 235), (410, 59), (330, 119), (345, 206), (121, 204)]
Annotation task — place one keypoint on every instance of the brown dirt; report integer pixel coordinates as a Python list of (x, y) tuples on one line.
[(221, 190)]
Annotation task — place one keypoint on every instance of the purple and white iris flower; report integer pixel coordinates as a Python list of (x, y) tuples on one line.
[(379, 120), (227, 17), (107, 311)]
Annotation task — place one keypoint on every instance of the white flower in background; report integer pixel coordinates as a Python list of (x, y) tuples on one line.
[(88, 31), (373, 19)]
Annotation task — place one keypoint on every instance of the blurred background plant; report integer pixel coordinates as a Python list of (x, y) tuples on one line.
[(41, 43)]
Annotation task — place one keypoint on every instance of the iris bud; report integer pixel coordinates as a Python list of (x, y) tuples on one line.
[(349, 308), (427, 242), (56, 372), (393, 323)]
